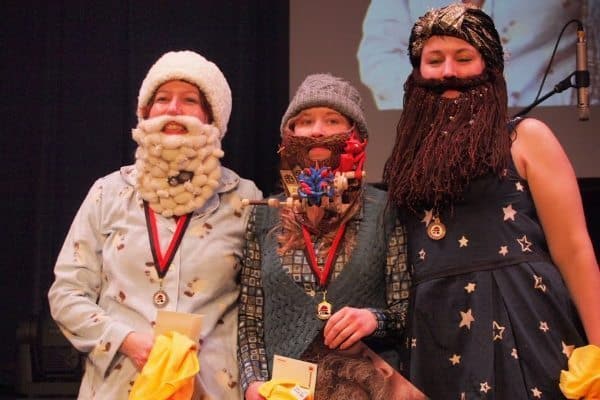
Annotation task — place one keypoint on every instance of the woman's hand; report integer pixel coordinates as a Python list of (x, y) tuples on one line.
[(137, 347), (348, 326), (252, 391)]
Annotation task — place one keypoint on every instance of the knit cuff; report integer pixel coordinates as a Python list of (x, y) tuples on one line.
[(382, 320)]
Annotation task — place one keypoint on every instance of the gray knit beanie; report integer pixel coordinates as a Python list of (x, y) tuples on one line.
[(326, 90)]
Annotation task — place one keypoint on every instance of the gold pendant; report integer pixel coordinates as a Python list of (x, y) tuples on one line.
[(436, 230), (160, 298), (324, 309)]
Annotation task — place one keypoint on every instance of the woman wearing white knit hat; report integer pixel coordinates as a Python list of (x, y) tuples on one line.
[(165, 233)]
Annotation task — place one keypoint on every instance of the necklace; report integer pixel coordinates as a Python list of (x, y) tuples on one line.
[(324, 308), (436, 229), (162, 262)]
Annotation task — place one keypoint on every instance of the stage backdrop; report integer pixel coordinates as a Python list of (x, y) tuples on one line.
[(70, 75)]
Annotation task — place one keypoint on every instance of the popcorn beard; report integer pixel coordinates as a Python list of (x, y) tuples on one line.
[(160, 157)]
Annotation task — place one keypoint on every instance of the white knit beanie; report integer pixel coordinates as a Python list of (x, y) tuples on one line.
[(193, 68)]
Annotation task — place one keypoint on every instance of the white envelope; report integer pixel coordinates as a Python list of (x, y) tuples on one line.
[(302, 372)]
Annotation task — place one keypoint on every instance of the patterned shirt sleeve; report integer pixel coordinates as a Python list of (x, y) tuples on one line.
[(251, 348), (392, 320)]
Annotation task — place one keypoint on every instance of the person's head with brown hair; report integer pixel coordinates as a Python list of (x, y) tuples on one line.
[(206, 80), (360, 373), (350, 377)]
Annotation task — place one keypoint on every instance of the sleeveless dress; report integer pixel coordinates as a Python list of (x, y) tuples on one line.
[(490, 316)]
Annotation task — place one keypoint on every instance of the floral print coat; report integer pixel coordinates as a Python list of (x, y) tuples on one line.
[(106, 279)]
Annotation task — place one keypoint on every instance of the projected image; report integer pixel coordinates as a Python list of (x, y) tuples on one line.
[(528, 30)]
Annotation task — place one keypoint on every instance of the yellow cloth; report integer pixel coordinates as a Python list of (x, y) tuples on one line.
[(279, 389), (170, 370), (582, 380)]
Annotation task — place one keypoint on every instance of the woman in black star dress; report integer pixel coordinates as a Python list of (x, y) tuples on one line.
[(505, 281)]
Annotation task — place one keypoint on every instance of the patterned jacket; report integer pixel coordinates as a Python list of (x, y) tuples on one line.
[(105, 281)]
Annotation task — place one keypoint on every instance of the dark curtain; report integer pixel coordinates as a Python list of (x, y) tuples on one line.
[(71, 71)]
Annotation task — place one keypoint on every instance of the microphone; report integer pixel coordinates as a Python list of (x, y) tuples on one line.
[(582, 77)]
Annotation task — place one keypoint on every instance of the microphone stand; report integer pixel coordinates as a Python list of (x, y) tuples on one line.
[(559, 87)]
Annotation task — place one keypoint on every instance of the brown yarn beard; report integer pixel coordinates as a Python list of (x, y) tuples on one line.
[(294, 150), (442, 143)]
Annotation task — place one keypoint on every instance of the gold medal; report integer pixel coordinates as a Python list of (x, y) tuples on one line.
[(324, 308), (436, 230), (160, 298)]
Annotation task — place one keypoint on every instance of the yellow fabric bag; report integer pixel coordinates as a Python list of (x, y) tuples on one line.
[(282, 389), (170, 370), (582, 380)]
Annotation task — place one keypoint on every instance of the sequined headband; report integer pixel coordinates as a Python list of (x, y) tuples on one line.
[(464, 22)]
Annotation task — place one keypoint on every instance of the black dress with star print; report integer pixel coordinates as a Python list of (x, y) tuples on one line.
[(490, 315)]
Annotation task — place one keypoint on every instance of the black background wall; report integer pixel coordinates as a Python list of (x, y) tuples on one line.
[(70, 73)]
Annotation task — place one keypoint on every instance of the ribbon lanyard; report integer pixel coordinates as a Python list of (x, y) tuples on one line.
[(162, 262), (322, 275)]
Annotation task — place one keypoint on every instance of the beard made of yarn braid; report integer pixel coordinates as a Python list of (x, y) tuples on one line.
[(294, 156), (177, 173), (294, 150), (443, 143)]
